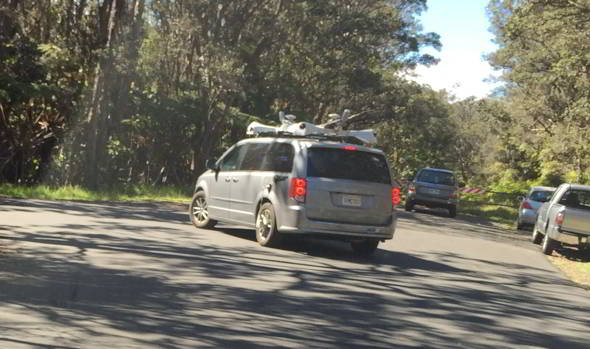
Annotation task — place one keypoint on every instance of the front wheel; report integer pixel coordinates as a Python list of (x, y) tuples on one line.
[(365, 247), (548, 245), (408, 206), (266, 226), (199, 213), (536, 238)]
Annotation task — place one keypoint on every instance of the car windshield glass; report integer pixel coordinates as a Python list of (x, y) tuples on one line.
[(541, 195), (347, 164), (436, 177)]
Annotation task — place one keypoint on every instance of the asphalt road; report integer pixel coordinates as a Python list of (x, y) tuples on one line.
[(81, 275)]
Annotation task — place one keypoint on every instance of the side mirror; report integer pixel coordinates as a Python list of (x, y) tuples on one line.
[(210, 164)]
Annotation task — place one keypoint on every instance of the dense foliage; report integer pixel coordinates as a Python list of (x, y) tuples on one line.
[(110, 92)]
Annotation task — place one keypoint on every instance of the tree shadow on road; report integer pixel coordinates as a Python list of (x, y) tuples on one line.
[(119, 285)]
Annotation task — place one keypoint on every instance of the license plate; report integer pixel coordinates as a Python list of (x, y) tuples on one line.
[(433, 191), (351, 200)]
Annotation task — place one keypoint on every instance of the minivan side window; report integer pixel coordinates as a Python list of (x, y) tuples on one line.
[(279, 158), (232, 161), (254, 156)]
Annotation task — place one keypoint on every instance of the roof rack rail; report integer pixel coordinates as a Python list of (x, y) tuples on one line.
[(289, 128)]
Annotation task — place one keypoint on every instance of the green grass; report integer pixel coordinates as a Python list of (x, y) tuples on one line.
[(503, 215), (128, 193)]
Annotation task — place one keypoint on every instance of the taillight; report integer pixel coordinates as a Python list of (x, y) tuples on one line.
[(395, 196), (453, 195), (349, 147), (298, 189), (559, 218), (526, 205)]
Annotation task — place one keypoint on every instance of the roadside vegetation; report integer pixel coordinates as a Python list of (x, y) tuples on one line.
[(128, 193)]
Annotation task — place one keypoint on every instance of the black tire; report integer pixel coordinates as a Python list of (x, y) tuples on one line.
[(198, 211), (408, 206), (365, 247), (536, 237), (266, 226), (453, 211), (548, 245), (519, 225)]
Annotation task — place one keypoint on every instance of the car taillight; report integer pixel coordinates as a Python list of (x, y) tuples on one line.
[(349, 147), (526, 205), (395, 196), (298, 189), (453, 195), (559, 218)]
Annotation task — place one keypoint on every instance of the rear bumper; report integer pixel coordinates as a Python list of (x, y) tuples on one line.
[(294, 221), (421, 199), (569, 238), (527, 216)]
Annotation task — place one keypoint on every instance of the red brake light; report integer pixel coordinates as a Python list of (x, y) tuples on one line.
[(559, 218), (349, 147), (395, 196), (298, 189), (526, 205)]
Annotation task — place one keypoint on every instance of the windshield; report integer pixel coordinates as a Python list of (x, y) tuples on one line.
[(436, 177), (347, 164)]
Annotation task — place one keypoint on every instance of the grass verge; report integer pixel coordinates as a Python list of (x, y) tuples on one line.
[(128, 193), (574, 264), (503, 215)]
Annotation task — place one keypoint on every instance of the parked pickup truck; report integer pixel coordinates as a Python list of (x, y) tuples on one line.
[(565, 219)]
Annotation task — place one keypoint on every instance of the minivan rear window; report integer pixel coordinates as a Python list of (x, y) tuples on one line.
[(347, 164)]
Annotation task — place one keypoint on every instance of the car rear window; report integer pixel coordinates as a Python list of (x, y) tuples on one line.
[(347, 164), (541, 195), (436, 177), (576, 198)]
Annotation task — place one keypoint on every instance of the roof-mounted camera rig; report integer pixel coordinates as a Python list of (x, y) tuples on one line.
[(290, 128)]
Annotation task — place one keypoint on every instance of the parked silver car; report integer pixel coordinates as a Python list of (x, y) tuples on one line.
[(527, 211), (433, 187), (297, 185)]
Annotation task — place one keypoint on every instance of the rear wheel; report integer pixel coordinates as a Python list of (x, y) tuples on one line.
[(266, 226), (453, 211), (199, 213), (364, 247), (548, 244), (519, 225)]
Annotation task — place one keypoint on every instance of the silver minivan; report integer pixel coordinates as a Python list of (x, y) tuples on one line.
[(300, 186)]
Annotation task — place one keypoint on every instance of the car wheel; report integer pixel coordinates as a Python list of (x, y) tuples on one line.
[(519, 225), (453, 211), (199, 213), (408, 206), (364, 247), (548, 245), (266, 226), (536, 238)]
